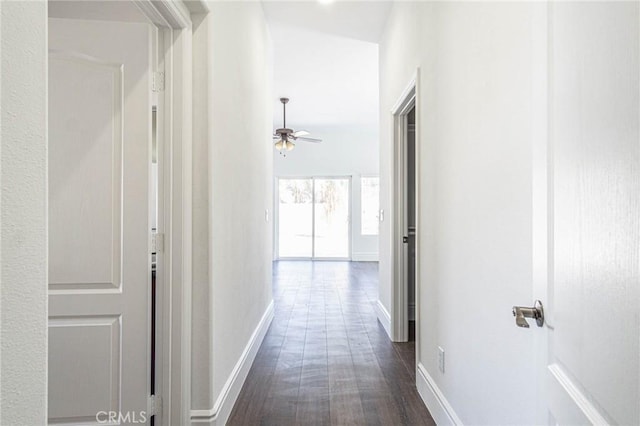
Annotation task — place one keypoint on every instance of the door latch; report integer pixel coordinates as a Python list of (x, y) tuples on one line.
[(405, 240), (157, 243), (521, 312)]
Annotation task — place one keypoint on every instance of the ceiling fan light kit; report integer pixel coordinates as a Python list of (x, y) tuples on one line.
[(284, 137)]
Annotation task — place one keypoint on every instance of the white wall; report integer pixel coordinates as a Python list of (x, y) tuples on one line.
[(349, 150), (239, 241), (232, 158), (23, 273), (201, 350), (474, 230)]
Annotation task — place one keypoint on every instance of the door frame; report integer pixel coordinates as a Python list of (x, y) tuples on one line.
[(542, 192), (408, 99), (173, 333), (276, 219), (174, 274), (173, 369)]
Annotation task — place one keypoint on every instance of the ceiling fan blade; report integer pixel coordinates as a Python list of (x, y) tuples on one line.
[(300, 133), (309, 140)]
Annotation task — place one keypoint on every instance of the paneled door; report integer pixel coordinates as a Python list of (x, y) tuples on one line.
[(99, 228), (314, 218), (592, 316)]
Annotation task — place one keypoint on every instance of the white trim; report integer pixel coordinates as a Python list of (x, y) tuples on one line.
[(186, 230), (175, 205), (568, 401), (383, 317), (172, 14), (275, 218), (418, 203), (401, 103), (219, 414), (437, 404), (541, 203), (365, 256), (313, 218), (399, 294)]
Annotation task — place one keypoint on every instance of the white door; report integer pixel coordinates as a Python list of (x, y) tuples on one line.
[(99, 244), (592, 307)]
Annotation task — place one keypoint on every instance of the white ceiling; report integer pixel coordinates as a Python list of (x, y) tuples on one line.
[(325, 56), (361, 20), (326, 62)]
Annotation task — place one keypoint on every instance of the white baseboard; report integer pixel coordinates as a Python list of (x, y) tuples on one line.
[(384, 317), (364, 257), (440, 409), (219, 414)]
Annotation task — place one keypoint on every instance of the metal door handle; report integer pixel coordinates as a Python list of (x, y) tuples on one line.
[(405, 240), (522, 312)]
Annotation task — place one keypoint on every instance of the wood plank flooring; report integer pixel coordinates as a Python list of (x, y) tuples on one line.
[(326, 359)]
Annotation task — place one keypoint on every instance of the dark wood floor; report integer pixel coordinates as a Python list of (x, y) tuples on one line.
[(326, 359)]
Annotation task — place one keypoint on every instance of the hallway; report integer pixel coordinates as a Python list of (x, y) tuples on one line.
[(326, 359)]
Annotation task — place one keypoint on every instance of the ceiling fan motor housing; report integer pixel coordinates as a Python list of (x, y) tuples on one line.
[(286, 132)]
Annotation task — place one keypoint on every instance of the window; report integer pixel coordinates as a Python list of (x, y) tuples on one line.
[(370, 204)]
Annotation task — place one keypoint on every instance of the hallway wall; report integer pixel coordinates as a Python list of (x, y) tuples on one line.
[(232, 239), (23, 213), (474, 232)]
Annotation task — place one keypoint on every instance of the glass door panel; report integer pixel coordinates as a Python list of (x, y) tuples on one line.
[(295, 218), (331, 224)]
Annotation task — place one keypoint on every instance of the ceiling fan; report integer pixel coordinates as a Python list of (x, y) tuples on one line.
[(284, 137)]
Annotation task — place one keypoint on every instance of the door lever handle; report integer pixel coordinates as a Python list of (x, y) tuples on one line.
[(522, 312)]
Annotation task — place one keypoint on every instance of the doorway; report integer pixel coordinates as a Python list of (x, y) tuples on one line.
[(405, 247), (313, 218), (114, 191)]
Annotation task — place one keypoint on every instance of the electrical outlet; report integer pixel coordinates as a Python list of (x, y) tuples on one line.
[(441, 359)]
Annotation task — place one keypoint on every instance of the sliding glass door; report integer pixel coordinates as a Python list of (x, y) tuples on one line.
[(314, 217), (331, 218), (295, 218)]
